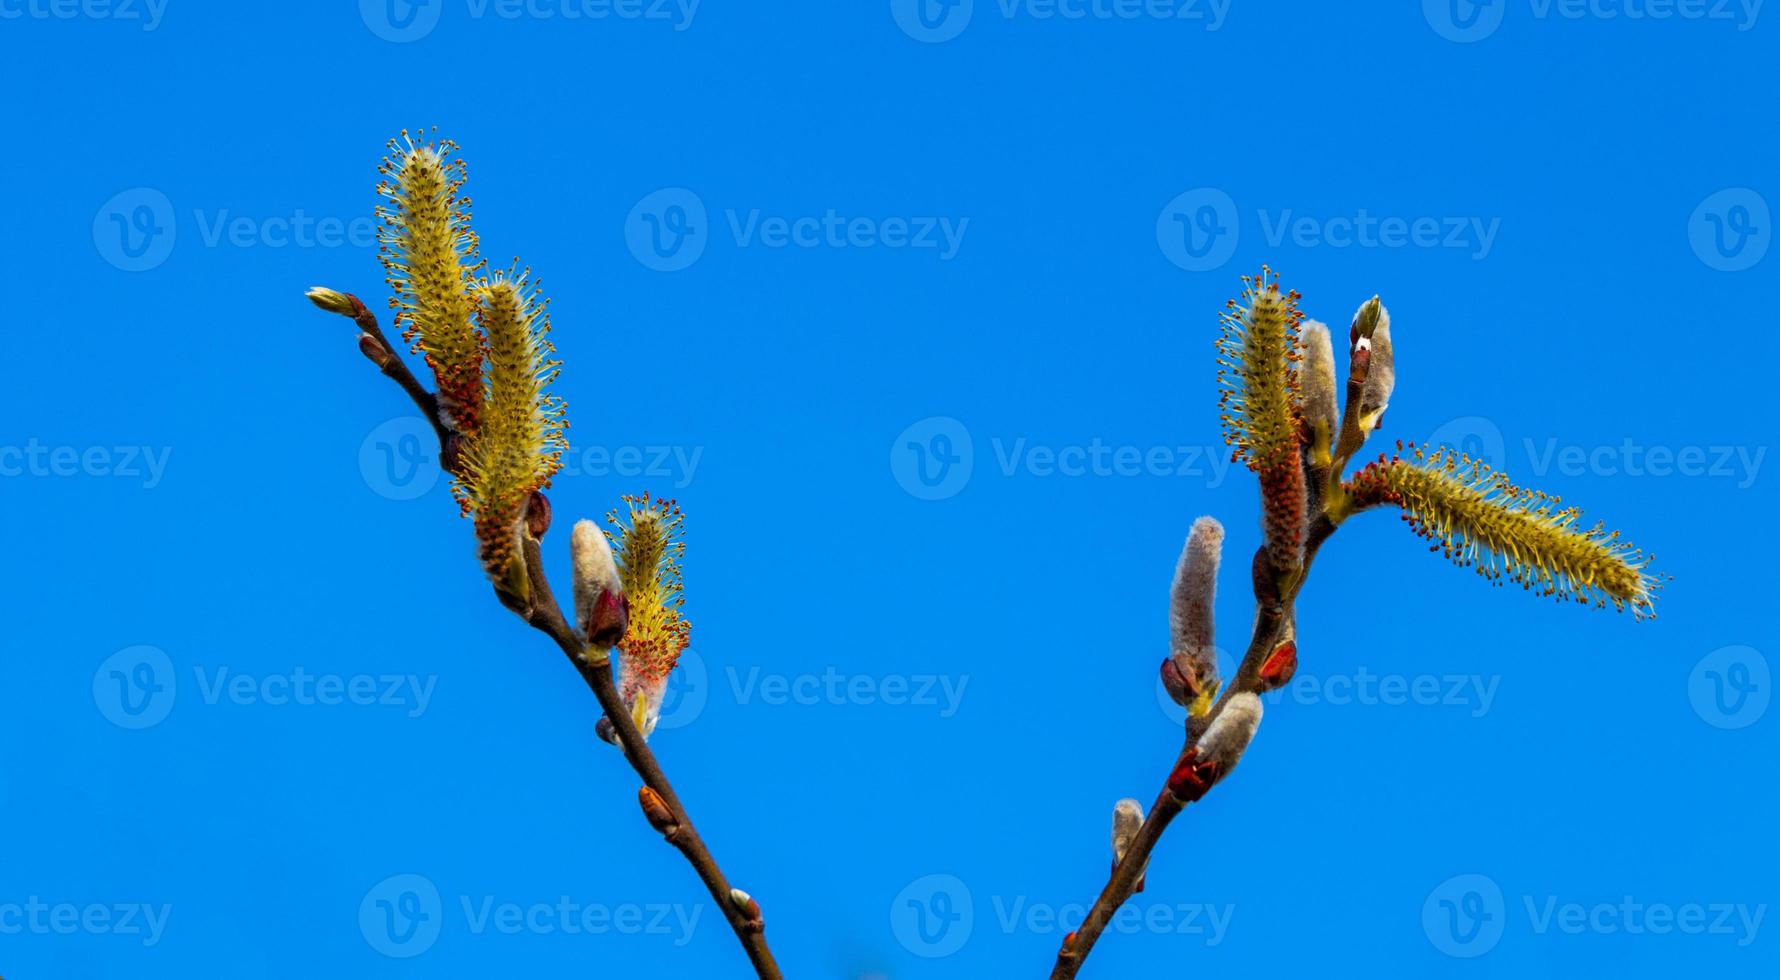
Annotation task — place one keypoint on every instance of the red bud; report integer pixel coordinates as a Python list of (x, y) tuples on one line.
[(1280, 665)]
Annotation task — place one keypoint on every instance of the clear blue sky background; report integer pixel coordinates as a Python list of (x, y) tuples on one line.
[(1600, 322)]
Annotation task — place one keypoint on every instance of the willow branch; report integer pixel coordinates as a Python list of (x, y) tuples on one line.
[(544, 614), (1274, 613)]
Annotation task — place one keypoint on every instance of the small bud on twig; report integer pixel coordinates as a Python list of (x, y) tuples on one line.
[(334, 301), (749, 908), (1127, 821), (1281, 663), (1218, 750), (657, 812), (537, 515), (375, 352)]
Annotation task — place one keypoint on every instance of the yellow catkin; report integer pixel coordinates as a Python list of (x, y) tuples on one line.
[(429, 254), (519, 443), (1479, 519), (1256, 350), (1259, 400), (649, 550)]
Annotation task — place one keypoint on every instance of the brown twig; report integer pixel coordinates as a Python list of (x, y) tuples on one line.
[(1274, 614), (543, 613)]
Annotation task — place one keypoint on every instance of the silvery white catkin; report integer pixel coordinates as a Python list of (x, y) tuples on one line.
[(1317, 382), (596, 572), (1381, 373), (1229, 735), (1127, 819), (1190, 605)]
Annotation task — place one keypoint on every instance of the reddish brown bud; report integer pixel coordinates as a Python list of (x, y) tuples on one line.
[(657, 812), (375, 352), (749, 908), (1280, 665), (609, 619), (537, 515), (1179, 687), (1193, 777)]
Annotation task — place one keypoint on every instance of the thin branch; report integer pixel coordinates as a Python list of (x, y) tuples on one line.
[(593, 664), (1274, 614)]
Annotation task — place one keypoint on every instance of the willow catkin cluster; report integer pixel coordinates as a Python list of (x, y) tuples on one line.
[(1257, 349), (649, 550), (429, 254), (1479, 519)]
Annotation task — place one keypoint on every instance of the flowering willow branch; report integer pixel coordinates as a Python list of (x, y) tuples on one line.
[(501, 438), (1278, 409)]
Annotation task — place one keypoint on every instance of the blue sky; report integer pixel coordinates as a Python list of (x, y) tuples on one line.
[(912, 308)]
